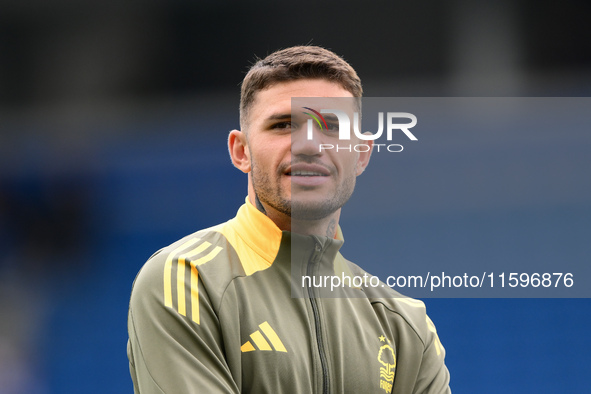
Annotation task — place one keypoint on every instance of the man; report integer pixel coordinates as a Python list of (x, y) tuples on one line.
[(215, 313)]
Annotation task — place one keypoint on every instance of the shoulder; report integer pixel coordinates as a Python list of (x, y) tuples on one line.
[(205, 256)]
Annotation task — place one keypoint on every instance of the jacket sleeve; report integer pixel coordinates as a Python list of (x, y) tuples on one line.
[(168, 351), (433, 377)]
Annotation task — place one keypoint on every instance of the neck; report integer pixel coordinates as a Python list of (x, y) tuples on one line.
[(325, 227)]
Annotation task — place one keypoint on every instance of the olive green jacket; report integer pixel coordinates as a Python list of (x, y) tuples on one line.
[(235, 308)]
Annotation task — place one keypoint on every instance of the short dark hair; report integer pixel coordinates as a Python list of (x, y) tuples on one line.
[(299, 62)]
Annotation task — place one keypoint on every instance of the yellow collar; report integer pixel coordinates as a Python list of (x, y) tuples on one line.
[(258, 231)]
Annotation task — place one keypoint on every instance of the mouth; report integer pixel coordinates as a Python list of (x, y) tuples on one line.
[(305, 173), (307, 170), (307, 176)]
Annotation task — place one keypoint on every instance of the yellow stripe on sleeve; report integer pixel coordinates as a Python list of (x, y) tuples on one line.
[(210, 256), (168, 271), (436, 341), (180, 275), (195, 277), (194, 294)]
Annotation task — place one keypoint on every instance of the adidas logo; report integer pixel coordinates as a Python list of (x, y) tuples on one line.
[(262, 343)]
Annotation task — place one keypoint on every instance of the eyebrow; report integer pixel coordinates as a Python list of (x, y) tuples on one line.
[(331, 118), (279, 116)]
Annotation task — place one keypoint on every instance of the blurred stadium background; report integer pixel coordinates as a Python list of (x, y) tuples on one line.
[(113, 124)]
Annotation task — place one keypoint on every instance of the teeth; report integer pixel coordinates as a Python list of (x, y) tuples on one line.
[(306, 173)]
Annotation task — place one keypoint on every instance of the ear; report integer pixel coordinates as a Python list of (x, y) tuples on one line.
[(239, 152), (363, 159)]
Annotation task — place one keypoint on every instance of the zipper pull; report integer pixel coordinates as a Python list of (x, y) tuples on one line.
[(317, 252)]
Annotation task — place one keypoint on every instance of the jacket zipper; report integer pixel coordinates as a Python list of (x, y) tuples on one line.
[(317, 323)]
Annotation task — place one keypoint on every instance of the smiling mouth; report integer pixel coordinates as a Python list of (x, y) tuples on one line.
[(305, 173)]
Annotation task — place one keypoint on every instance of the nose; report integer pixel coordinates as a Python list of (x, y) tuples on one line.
[(306, 140)]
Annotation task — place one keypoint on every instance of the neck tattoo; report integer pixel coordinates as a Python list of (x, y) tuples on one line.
[(331, 230)]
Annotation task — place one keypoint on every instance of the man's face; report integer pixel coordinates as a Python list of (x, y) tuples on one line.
[(289, 173)]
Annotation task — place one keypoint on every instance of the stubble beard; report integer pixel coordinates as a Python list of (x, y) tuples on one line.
[(272, 193)]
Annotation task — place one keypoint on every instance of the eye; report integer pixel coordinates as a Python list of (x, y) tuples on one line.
[(281, 125), (333, 126), (286, 125)]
